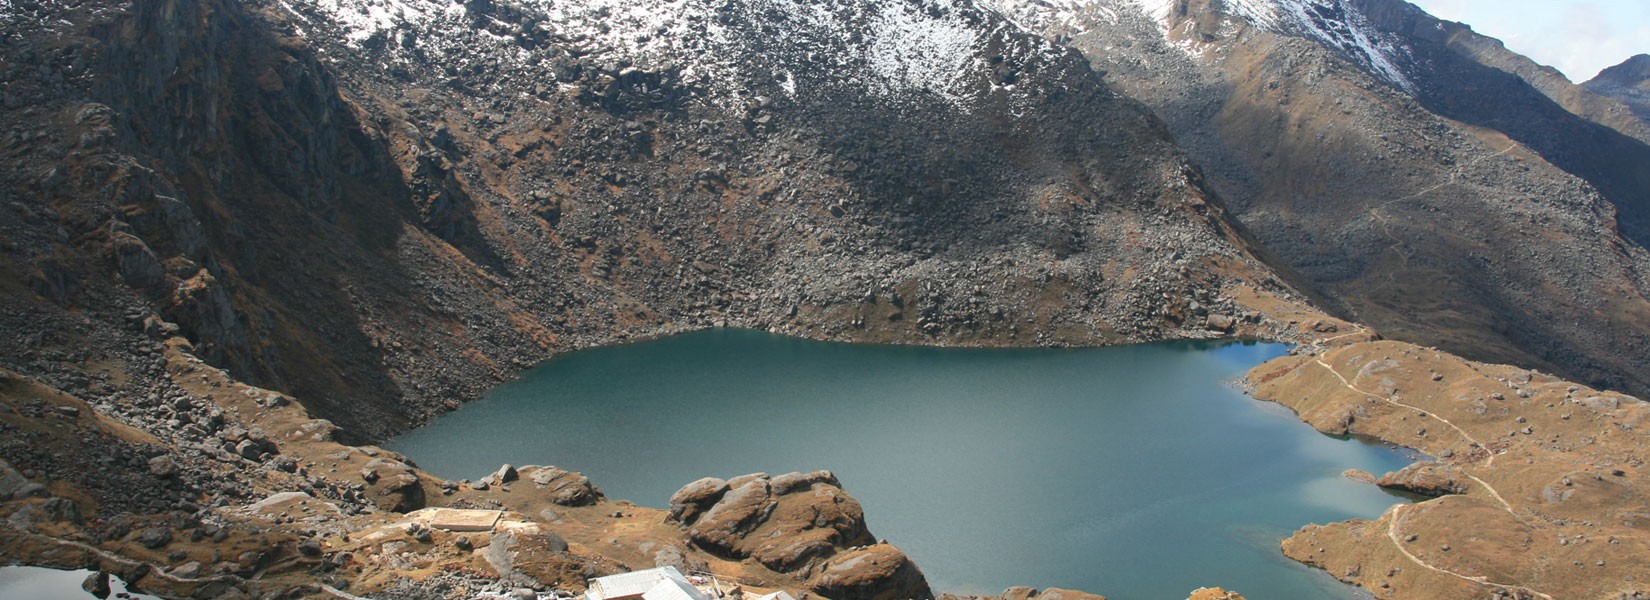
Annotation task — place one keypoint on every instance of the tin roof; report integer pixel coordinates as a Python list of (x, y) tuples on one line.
[(637, 583), (671, 589)]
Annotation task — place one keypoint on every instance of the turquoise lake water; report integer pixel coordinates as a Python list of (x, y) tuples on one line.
[(1137, 472)]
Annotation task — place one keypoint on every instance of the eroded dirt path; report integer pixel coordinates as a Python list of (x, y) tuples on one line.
[(1396, 513), (1383, 219), (1489, 457)]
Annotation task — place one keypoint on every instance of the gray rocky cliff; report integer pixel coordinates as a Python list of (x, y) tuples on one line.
[(1628, 82)]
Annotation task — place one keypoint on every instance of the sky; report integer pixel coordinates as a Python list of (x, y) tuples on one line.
[(1579, 37)]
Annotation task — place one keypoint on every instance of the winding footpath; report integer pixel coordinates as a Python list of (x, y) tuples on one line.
[(1454, 177), (1360, 330), (1489, 457), (1386, 225), (1396, 513)]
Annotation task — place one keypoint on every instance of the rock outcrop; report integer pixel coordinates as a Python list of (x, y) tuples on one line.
[(562, 487), (797, 523), (395, 486), (1214, 594), (1425, 478), (1030, 593), (694, 498), (879, 572)]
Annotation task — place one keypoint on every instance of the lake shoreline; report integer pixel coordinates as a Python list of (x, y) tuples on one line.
[(593, 461)]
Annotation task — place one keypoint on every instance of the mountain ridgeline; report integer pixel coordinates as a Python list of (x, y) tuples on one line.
[(1628, 82)]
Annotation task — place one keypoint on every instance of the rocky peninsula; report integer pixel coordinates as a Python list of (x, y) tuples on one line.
[(1537, 488)]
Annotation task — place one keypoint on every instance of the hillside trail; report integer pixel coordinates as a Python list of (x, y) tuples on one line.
[(1385, 223), (1397, 512)]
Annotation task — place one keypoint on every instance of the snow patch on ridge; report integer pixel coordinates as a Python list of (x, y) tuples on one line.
[(1342, 27), (911, 52), (898, 49), (1334, 23), (1158, 10), (364, 18), (1263, 13)]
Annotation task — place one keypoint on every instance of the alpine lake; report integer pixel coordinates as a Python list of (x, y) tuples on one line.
[(1138, 472)]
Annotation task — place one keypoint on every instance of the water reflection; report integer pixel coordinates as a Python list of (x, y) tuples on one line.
[(39, 583)]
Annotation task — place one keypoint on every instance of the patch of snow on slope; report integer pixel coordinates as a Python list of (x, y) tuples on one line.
[(1343, 27), (1068, 17), (364, 18), (1263, 13), (651, 34), (1158, 10), (896, 49), (914, 52), (1334, 23)]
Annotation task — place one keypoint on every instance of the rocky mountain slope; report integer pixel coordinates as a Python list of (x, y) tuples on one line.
[(241, 236), (1470, 79), (384, 226), (1389, 158), (1583, 100), (1628, 82)]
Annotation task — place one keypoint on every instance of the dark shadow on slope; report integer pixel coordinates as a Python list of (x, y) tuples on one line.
[(300, 207)]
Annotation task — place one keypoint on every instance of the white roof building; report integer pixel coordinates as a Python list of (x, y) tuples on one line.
[(663, 583), (671, 589)]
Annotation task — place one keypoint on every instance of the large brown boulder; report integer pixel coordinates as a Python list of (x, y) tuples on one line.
[(1214, 594), (808, 524), (694, 498), (880, 572), (725, 525), (563, 487), (798, 523), (790, 482), (394, 485), (783, 522), (1029, 593)]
